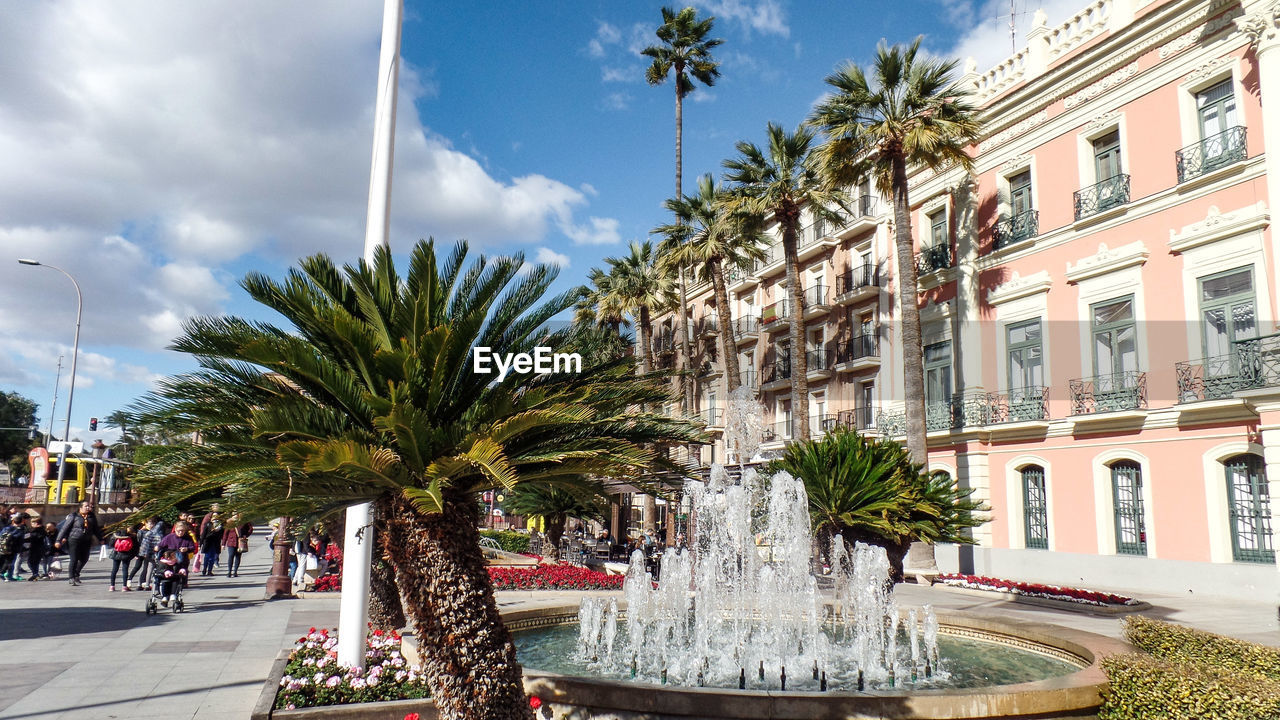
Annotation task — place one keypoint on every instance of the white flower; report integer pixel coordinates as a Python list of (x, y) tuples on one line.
[(357, 683)]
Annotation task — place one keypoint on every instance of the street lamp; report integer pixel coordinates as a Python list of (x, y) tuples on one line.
[(71, 392)]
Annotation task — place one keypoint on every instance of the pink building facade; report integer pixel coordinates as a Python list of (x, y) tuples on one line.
[(1099, 301)]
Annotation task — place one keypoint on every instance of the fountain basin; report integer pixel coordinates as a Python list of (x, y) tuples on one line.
[(1074, 695)]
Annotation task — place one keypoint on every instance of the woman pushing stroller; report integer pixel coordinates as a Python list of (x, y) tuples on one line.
[(174, 560)]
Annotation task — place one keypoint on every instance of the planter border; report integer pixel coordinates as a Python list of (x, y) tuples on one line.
[(1086, 608)]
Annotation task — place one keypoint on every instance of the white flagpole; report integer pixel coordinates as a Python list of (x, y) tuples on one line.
[(357, 554)]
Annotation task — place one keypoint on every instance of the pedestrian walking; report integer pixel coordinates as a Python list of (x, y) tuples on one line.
[(236, 542), (77, 533), (211, 542), (11, 537), (148, 539), (124, 548)]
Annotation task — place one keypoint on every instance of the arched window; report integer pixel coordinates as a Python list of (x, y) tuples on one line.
[(1126, 494), (1249, 508), (1035, 507)]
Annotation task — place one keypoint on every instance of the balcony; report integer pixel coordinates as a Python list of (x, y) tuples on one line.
[(815, 301), (779, 431), (737, 278), (973, 409), (1025, 404), (1015, 229), (1211, 153), (868, 207), (857, 419), (664, 344), (813, 240), (1210, 378), (818, 364), (777, 375), (749, 379), (713, 417), (1110, 193), (934, 259), (746, 329), (775, 316), (860, 352), (709, 326), (1109, 393), (857, 283)]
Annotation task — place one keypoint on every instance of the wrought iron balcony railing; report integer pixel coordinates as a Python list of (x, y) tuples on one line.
[(1112, 192), (1210, 378), (817, 360), (713, 416), (749, 378), (1109, 393), (746, 325), (1260, 361), (812, 234), (972, 409), (1018, 405), (867, 206), (1016, 228), (933, 259), (710, 324), (1211, 153), (664, 343), (780, 370), (783, 430), (858, 347), (856, 278), (776, 312), (858, 418), (815, 296)]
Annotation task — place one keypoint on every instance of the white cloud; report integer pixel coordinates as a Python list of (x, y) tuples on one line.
[(620, 74), (988, 41), (606, 34), (617, 101), (600, 231), (763, 16), (547, 256)]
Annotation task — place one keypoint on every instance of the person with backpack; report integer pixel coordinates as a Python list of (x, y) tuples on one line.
[(124, 548), (211, 542), (11, 544), (77, 533)]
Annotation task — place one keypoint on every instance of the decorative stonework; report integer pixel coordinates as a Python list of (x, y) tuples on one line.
[(1100, 122), (1106, 260), (1196, 35), (1016, 162), (1101, 86), (1013, 131), (1219, 226), (1019, 287), (1261, 27), (1208, 68)]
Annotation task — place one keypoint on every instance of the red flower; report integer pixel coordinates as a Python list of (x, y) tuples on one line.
[(535, 702), (311, 630), (411, 716)]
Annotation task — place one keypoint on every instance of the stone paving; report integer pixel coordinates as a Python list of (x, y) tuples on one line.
[(81, 652)]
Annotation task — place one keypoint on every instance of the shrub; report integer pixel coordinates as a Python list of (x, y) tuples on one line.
[(313, 677), (509, 540), (1184, 644), (1146, 688), (553, 577)]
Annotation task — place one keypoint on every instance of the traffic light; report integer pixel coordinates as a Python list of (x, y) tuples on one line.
[(32, 432), (93, 424)]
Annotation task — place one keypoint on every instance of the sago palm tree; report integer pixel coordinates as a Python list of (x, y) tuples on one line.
[(911, 114), (709, 238), (778, 183), (557, 503), (369, 393), (868, 490), (685, 53)]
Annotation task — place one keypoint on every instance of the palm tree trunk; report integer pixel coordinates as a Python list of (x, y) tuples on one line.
[(467, 652), (385, 609), (799, 361), (686, 385), (728, 349), (555, 531), (646, 349), (908, 303)]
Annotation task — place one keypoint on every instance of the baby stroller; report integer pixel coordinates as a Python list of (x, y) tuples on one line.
[(167, 584)]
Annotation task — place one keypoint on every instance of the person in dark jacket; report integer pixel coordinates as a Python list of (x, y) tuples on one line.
[(124, 548), (11, 536), (236, 540), (211, 542), (77, 534), (34, 545), (148, 540)]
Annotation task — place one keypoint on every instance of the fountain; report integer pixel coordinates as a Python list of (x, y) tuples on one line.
[(744, 596)]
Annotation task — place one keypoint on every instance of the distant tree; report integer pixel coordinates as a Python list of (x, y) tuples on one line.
[(16, 411), (557, 503)]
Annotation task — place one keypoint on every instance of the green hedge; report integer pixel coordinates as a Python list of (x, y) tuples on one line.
[(510, 540), (1149, 688), (1183, 644)]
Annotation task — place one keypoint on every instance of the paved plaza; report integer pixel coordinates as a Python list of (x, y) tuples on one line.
[(86, 653)]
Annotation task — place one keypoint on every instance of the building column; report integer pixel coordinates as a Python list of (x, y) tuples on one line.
[(1269, 428), (973, 471), (1262, 27), (967, 325)]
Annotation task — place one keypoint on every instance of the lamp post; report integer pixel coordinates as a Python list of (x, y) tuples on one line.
[(71, 391)]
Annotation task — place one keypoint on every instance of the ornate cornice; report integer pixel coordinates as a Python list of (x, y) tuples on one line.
[(1016, 162), (1208, 68), (1102, 120), (1091, 91), (1107, 260), (1218, 226), (1019, 287), (1262, 27)]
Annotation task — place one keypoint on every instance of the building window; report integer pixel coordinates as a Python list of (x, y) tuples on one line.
[(937, 373), (1035, 507), (1026, 361), (1126, 495), (938, 228), (1115, 345), (863, 404), (1106, 156), (1227, 310), (1249, 506), (1020, 193)]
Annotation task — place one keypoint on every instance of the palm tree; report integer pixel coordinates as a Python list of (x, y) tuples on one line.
[(914, 114), (778, 183), (685, 51), (369, 394), (557, 503), (638, 286), (709, 237), (868, 490)]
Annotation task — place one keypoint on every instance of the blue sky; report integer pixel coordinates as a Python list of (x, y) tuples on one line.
[(158, 151)]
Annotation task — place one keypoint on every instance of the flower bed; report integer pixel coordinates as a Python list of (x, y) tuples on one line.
[(1036, 590), (553, 577), (313, 677)]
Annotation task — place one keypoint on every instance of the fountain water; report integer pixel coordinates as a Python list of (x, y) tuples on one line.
[(745, 597)]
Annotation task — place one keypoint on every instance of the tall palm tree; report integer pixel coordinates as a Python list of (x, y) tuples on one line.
[(778, 183), (913, 114), (709, 237), (557, 503), (640, 287), (369, 394), (599, 303), (685, 52)]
